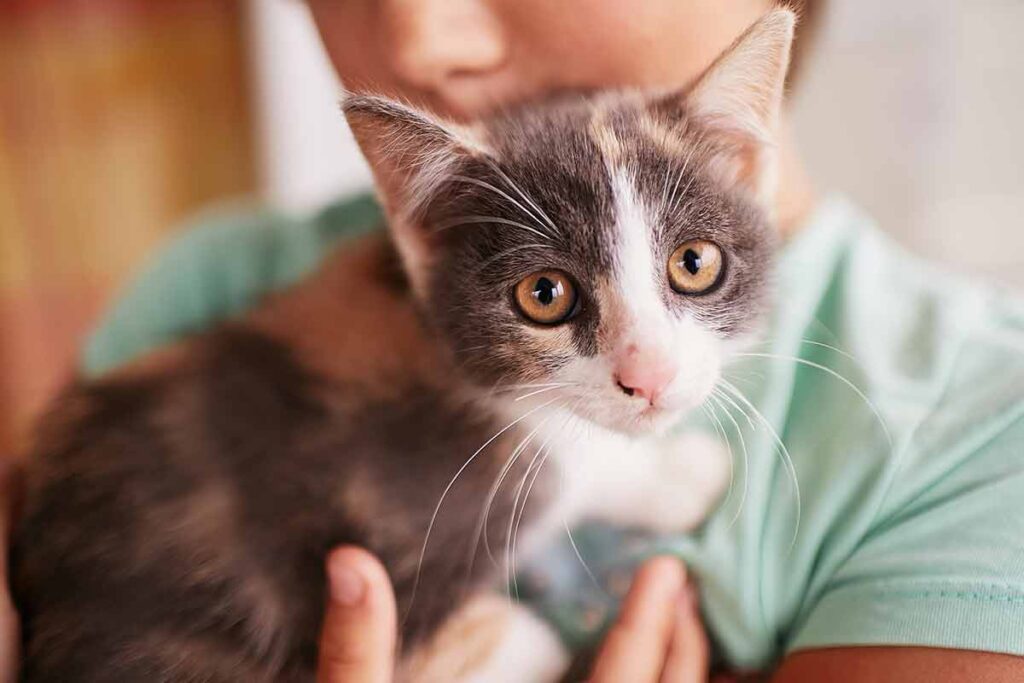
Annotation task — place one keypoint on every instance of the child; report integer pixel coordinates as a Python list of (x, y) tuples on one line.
[(896, 389)]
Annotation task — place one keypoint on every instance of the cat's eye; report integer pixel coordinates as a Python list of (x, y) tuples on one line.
[(695, 267), (547, 297)]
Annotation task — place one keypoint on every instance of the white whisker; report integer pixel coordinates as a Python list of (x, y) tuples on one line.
[(504, 253), (787, 460), (746, 459), (481, 528), (501, 193), (812, 342), (444, 494), (539, 391), (484, 220), (512, 526), (724, 396), (709, 411), (853, 387), (526, 198)]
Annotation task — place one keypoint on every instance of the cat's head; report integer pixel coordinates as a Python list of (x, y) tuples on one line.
[(599, 252)]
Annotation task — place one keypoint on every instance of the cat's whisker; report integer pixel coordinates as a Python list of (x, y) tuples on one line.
[(484, 220), (540, 391), (709, 412), (509, 571), (522, 513), (504, 253), (535, 385), (482, 523), (448, 488), (526, 198), (784, 453), (812, 342), (726, 397), (514, 532), (749, 378), (579, 556), (507, 389), (818, 366), (746, 458), (501, 193), (565, 522), (675, 197)]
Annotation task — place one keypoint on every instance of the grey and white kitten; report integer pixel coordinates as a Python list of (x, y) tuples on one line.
[(562, 283)]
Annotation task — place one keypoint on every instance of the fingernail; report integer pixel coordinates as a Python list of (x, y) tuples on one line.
[(347, 586)]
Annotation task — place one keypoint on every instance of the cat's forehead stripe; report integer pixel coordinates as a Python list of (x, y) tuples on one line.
[(667, 140), (604, 137), (636, 278)]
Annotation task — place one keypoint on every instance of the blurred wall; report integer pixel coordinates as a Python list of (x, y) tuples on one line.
[(308, 157), (910, 107), (914, 109)]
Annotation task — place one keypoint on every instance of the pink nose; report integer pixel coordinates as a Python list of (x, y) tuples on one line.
[(645, 374)]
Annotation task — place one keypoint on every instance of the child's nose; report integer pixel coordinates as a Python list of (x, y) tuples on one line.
[(433, 41), (645, 373)]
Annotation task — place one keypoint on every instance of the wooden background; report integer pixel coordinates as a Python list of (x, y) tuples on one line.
[(117, 118)]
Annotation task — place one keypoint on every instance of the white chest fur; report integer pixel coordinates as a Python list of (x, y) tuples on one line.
[(662, 483)]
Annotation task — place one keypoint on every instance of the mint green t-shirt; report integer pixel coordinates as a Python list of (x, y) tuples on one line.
[(896, 388)]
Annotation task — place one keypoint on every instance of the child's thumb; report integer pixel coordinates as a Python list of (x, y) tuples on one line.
[(357, 644)]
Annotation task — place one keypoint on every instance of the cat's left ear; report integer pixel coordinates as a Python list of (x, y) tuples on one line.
[(738, 103), (411, 153)]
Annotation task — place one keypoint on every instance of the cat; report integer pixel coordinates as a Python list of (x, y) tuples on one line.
[(559, 279)]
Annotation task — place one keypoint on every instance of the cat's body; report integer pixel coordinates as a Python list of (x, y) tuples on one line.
[(221, 473), (244, 465), (179, 511)]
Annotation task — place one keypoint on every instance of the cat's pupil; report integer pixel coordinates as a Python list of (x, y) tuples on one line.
[(545, 290), (691, 261)]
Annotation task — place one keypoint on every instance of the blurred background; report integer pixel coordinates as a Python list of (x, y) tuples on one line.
[(119, 118)]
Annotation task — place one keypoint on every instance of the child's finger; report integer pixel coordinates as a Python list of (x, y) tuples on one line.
[(636, 645), (688, 654), (357, 644)]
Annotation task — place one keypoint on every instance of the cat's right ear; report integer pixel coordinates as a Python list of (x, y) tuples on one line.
[(411, 153), (738, 102)]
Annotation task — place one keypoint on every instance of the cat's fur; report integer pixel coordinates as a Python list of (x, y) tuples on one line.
[(179, 511)]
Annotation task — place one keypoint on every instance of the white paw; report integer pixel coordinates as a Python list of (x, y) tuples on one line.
[(529, 652), (690, 473)]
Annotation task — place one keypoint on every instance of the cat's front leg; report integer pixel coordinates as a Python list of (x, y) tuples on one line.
[(664, 484), (489, 639)]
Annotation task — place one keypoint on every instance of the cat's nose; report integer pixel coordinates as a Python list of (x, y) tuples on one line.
[(645, 375)]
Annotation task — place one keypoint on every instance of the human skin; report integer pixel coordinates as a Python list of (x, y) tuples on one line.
[(462, 58)]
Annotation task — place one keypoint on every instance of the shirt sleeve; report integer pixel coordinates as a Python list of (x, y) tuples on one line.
[(943, 563), (216, 268)]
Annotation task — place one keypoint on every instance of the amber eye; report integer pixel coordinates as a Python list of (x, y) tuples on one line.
[(547, 297), (695, 267)]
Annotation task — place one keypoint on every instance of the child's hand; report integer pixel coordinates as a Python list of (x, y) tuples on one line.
[(657, 637), (357, 644)]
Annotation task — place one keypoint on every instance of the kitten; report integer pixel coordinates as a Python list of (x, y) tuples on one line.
[(565, 280)]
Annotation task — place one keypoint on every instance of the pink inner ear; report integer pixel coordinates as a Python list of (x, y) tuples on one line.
[(645, 372)]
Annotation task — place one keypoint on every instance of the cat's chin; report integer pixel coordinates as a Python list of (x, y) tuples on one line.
[(649, 422)]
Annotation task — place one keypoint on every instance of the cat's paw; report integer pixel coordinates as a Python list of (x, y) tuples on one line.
[(690, 474)]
